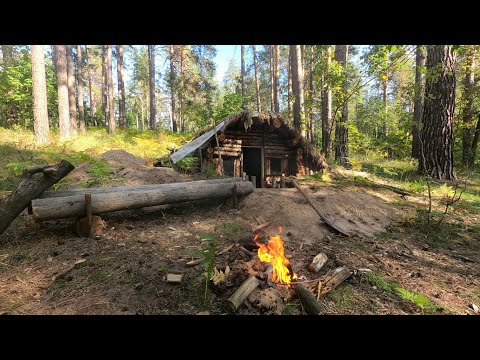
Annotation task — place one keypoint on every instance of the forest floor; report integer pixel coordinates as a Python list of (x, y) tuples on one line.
[(409, 262)]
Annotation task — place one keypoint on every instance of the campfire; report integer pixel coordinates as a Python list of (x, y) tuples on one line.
[(273, 252)]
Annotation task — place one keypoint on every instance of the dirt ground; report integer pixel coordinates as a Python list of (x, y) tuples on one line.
[(124, 271)]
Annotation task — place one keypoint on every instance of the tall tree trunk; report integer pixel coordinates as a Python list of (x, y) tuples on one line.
[(311, 92), (272, 81), (385, 104), (172, 87), (93, 109), (151, 81), (257, 87), (121, 88), (341, 130), (111, 100), (327, 123), (62, 87), (297, 85), (289, 94), (71, 91), (104, 86), (436, 134), (468, 152), (276, 93), (11, 107), (418, 101), (39, 94), (180, 93), (81, 111), (242, 71)]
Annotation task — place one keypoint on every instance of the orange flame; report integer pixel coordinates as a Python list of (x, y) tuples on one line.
[(273, 252)]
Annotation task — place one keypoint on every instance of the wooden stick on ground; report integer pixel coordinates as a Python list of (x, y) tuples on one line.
[(67, 270), (323, 216), (310, 304), (261, 226), (242, 293), (333, 279), (30, 188)]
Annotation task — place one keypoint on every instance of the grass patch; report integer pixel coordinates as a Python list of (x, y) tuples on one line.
[(343, 297), (229, 229), (418, 299), (18, 150)]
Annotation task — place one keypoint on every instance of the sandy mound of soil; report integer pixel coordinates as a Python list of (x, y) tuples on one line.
[(127, 169), (357, 212)]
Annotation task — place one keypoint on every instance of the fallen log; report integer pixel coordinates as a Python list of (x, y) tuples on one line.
[(73, 206), (242, 293), (94, 191), (310, 304), (322, 215), (30, 188)]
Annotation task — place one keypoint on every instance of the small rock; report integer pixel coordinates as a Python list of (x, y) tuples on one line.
[(473, 307), (112, 228), (203, 313), (425, 247), (374, 287), (138, 286)]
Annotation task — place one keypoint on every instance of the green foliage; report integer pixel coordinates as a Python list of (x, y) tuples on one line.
[(229, 229), (187, 164), (232, 103), (418, 299), (208, 257), (343, 297)]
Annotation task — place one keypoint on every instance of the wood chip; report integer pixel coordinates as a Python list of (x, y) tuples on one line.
[(174, 278), (171, 228)]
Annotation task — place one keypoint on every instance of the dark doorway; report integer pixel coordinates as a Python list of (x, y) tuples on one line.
[(252, 163)]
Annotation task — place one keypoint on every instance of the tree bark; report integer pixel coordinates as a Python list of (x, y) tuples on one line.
[(327, 123), (242, 74), (30, 188), (62, 87), (341, 130), (111, 101), (72, 206), (182, 89), (272, 80), (93, 109), (257, 87), (468, 151), (242, 293), (104, 86), (172, 87), (81, 111), (290, 91), (117, 189), (121, 88), (72, 106), (39, 94), (310, 304), (311, 93), (151, 81), (436, 134), (418, 101), (276, 93), (297, 86)]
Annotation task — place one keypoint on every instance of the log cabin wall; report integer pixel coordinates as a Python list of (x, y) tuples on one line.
[(281, 154)]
